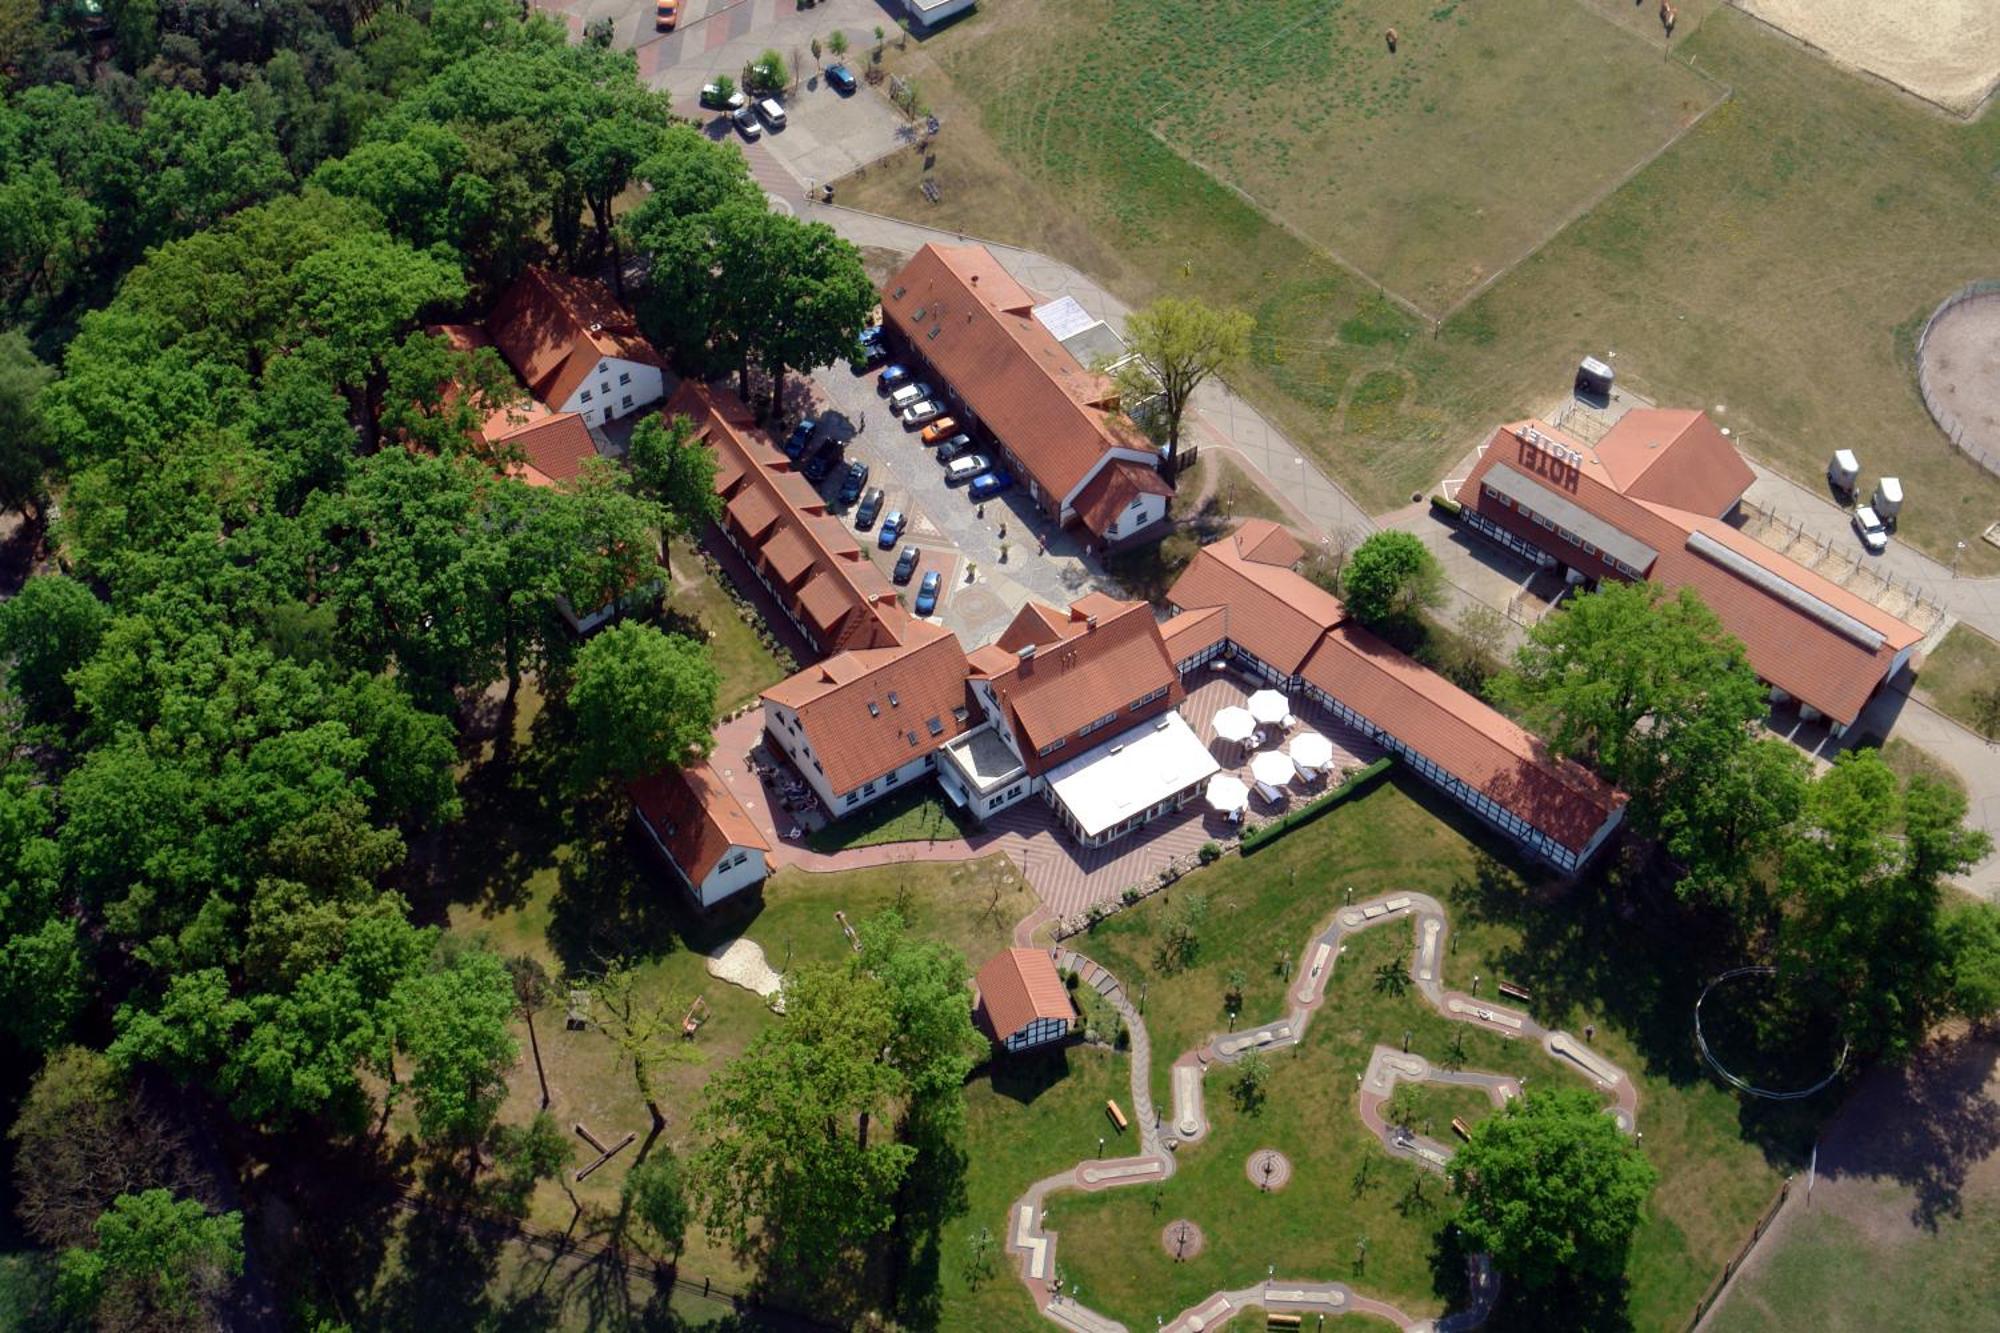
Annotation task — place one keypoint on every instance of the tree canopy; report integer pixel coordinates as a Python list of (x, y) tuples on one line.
[(1392, 576), (1180, 343), (644, 701)]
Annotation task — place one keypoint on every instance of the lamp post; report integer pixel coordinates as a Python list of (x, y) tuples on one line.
[(1957, 551)]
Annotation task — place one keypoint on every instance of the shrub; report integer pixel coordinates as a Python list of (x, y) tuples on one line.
[(1256, 837), (1131, 894), (1210, 853), (1445, 506)]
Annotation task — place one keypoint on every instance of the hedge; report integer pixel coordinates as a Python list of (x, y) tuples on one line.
[(1319, 805), (1444, 506)]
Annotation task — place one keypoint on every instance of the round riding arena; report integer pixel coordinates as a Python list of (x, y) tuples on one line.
[(1958, 369), (1944, 51)]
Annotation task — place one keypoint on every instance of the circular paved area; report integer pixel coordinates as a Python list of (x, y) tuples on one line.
[(1268, 1169), (1961, 370), (1182, 1239)]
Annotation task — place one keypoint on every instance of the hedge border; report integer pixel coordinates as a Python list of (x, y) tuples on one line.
[(1255, 838)]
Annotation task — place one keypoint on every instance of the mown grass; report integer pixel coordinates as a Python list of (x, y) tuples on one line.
[(915, 814), (1584, 964), (746, 666), (1776, 262), (1965, 666)]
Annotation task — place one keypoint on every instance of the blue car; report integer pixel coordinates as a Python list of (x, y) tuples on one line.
[(987, 485), (927, 593), (841, 78), (892, 376), (801, 436), (892, 530)]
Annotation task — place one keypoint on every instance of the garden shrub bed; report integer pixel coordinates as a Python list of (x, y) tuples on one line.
[(1313, 809)]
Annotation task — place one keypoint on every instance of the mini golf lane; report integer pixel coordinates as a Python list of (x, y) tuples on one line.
[(1187, 1124)]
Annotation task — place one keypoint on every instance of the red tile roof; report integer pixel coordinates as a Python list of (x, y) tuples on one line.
[(1191, 631), (553, 448), (1811, 638), (780, 518), (1108, 494), (696, 817), (1263, 542), (1018, 986), (1674, 457), (1274, 613), (1461, 735), (554, 329), (872, 710), (1095, 663), (959, 308)]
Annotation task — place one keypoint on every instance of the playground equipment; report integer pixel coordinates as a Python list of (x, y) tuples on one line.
[(697, 1014)]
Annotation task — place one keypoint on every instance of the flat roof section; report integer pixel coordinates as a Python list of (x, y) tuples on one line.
[(1131, 772), (1522, 489), (984, 760)]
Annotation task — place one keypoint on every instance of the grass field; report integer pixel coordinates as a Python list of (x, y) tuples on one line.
[(1966, 664), (746, 666), (915, 814), (1775, 262), (1583, 964)]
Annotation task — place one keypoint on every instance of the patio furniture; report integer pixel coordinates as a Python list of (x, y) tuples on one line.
[(1272, 768), (1227, 794), (1310, 751), (1270, 707), (1235, 724)]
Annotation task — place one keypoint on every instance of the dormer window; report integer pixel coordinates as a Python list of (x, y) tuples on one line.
[(874, 709), (894, 702)]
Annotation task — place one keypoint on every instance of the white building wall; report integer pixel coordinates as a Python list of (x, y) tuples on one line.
[(617, 389), (1143, 511), (742, 868)]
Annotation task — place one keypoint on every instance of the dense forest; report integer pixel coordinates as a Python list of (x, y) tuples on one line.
[(256, 574)]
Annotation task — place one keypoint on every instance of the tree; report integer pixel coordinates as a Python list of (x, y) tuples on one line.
[(1179, 343), (787, 1167), (47, 630), (814, 46), (86, 1134), (671, 466), (159, 1263), (935, 1045), (531, 996), (647, 1031), (1649, 690), (528, 1154), (1552, 1186), (1392, 576), (1250, 1086), (26, 451), (1404, 1107), (657, 1196), (1861, 931), (1182, 941), (643, 700), (1972, 958), (836, 42), (766, 74), (454, 1027)]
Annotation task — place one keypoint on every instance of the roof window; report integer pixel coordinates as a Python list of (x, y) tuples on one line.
[(874, 709), (936, 725), (894, 702)]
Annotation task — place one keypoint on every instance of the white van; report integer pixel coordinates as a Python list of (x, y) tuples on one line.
[(961, 470), (908, 396), (773, 114)]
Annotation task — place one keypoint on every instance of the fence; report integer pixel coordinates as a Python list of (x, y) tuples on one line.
[(1947, 420), (1721, 1283), (1843, 567)]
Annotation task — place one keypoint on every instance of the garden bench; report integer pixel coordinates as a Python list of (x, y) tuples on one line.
[(1460, 1128), (1515, 991), (1117, 1116)]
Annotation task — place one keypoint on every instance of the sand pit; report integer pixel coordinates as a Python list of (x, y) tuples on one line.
[(1960, 373), (742, 963), (1944, 51)]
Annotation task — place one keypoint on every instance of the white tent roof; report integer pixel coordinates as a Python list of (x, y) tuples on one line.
[(1273, 768), (1270, 706), (1227, 794), (1235, 724), (1120, 778), (1309, 749)]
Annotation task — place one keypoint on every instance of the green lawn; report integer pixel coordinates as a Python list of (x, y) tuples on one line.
[(1584, 965), (1832, 1276), (746, 665), (1965, 664), (1776, 262), (915, 814)]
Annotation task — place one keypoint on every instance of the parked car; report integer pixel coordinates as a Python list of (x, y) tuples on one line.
[(773, 114), (851, 484), (892, 375), (892, 530), (908, 396), (963, 469), (872, 334), (871, 505), (917, 413), (840, 78), (665, 14), (927, 593), (1874, 535), (745, 120), (906, 565), (820, 464), (939, 429), (956, 446), (801, 436), (712, 98), (986, 487)]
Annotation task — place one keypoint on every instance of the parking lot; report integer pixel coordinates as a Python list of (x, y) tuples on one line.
[(958, 537)]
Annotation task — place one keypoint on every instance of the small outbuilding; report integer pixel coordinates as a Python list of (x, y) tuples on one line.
[(1022, 1002), (702, 832)]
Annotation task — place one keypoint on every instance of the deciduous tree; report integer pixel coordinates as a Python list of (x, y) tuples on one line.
[(1180, 343), (1552, 1186), (1392, 576), (673, 468), (453, 1025), (643, 700), (47, 630), (657, 1196), (159, 1263)]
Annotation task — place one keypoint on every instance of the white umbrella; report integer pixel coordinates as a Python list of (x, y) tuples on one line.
[(1235, 724), (1309, 749), (1270, 706), (1273, 768), (1227, 794)]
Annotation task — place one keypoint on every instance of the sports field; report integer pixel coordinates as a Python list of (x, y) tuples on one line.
[(1776, 261), (1431, 167)]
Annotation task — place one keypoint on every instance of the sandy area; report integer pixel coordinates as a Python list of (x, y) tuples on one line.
[(1947, 51), (1962, 369), (741, 963)]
